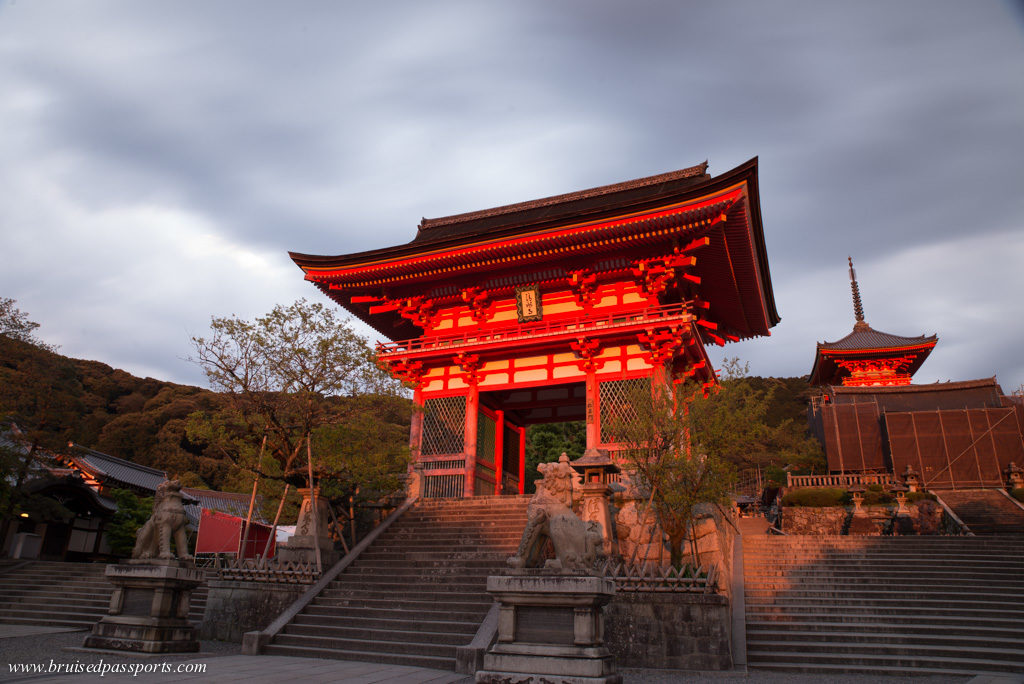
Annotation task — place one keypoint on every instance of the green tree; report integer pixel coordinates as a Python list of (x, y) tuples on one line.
[(545, 442), (132, 514), (685, 444), (15, 325), (299, 378), (39, 393)]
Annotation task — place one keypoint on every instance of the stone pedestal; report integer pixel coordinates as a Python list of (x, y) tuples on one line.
[(302, 546), (149, 608), (550, 629)]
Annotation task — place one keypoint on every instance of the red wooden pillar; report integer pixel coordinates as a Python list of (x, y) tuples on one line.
[(499, 455), (472, 409), (593, 423), (522, 460), (416, 428)]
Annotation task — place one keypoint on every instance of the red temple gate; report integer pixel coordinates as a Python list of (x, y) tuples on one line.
[(547, 311)]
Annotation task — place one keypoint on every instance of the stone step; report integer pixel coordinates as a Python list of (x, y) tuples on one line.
[(952, 596), (460, 559), (406, 624), (395, 647), (435, 662), (902, 574), (883, 672), (807, 609), (1002, 629), (452, 603), (49, 602), (49, 620), (366, 634), (1000, 659), (418, 593), (403, 581), (838, 640), (398, 613), (50, 617)]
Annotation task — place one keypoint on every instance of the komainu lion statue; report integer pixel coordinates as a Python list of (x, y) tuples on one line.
[(153, 540), (577, 545)]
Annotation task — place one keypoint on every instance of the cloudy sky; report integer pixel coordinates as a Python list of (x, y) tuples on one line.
[(159, 159)]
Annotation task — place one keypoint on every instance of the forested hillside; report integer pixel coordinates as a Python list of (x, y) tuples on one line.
[(59, 400)]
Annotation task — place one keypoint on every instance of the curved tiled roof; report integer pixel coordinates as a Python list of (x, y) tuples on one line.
[(110, 467), (231, 503), (866, 337)]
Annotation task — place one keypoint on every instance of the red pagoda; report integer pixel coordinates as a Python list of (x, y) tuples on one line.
[(867, 357), (552, 310)]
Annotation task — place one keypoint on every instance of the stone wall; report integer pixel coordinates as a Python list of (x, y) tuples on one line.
[(639, 536), (667, 630), (234, 608), (814, 521), (924, 517)]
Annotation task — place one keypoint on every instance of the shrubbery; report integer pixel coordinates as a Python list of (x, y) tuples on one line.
[(816, 498), (876, 495)]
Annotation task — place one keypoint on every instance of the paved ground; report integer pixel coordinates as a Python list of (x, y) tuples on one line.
[(49, 647)]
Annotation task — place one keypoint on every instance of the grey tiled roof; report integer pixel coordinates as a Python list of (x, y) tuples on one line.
[(226, 502), (107, 467), (869, 338)]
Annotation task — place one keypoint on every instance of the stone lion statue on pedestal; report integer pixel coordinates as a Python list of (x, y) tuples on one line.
[(577, 545), (153, 540)]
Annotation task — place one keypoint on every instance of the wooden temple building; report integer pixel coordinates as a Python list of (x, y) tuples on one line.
[(870, 418), (551, 310)]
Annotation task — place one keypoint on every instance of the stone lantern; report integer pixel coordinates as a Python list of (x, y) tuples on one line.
[(857, 491), (597, 467), (1014, 476), (911, 479), (900, 492)]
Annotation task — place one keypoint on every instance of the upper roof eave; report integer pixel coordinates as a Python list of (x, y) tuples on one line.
[(468, 233)]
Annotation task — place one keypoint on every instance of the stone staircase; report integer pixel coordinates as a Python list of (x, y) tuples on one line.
[(64, 594), (418, 592), (985, 511), (885, 606)]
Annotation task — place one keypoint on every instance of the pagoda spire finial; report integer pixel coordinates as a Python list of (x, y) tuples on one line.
[(858, 308)]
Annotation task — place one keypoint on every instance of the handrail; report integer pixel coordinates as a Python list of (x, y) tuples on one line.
[(531, 331)]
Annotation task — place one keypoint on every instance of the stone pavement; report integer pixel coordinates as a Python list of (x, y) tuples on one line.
[(44, 644)]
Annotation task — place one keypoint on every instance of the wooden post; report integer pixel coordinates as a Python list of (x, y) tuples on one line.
[(522, 460), (313, 512), (469, 446), (593, 424), (499, 455), (416, 428), (277, 517), (244, 537)]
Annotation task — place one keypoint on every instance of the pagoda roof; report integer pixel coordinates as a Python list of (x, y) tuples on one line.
[(867, 338), (866, 343), (535, 241)]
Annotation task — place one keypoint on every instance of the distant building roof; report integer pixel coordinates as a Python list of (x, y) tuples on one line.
[(231, 503), (111, 471)]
